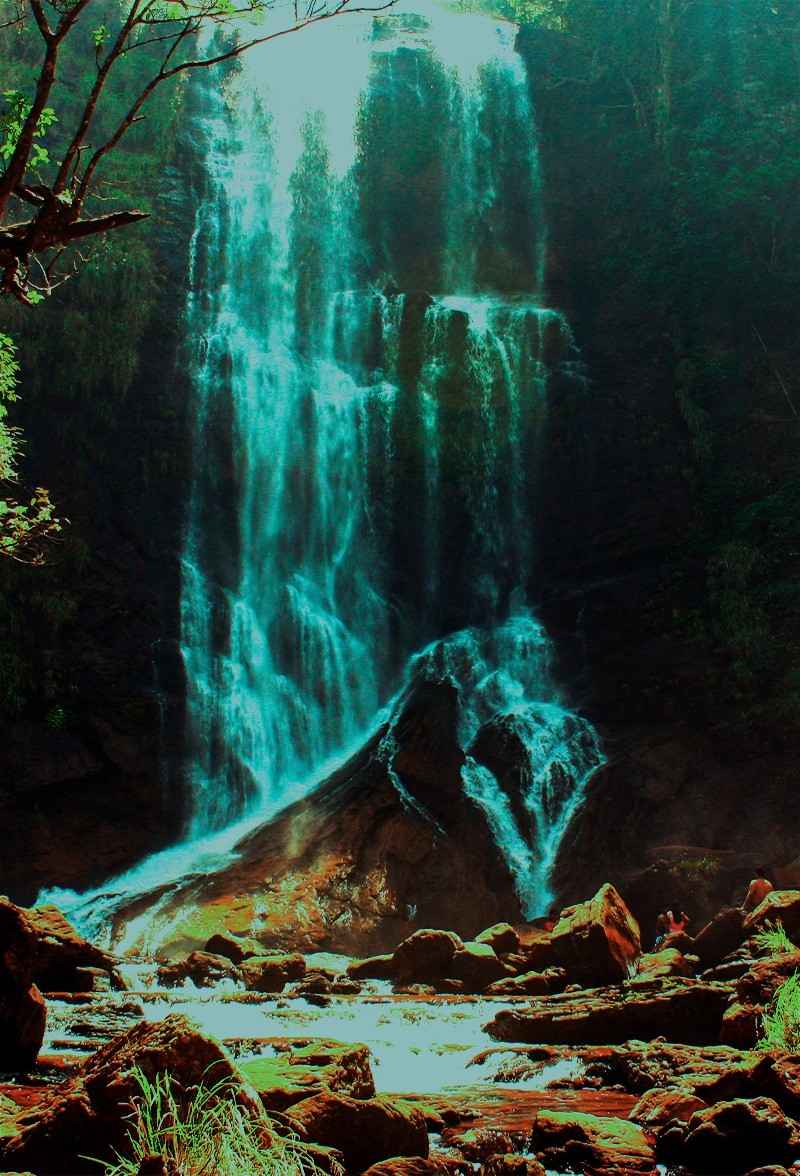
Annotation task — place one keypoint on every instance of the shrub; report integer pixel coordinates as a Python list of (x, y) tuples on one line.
[(780, 1026), (210, 1134)]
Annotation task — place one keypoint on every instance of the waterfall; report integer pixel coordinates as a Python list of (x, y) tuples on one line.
[(371, 359)]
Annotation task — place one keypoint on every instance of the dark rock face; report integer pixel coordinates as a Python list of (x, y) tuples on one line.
[(358, 844), (364, 1131), (684, 1010), (731, 1137), (22, 1009)]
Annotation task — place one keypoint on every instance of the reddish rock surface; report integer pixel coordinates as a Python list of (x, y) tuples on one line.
[(597, 942), (87, 1115), (22, 1009), (294, 1070), (683, 1010), (366, 1131), (355, 847), (591, 1145)]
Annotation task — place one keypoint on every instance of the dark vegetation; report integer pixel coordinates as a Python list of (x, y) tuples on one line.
[(672, 162)]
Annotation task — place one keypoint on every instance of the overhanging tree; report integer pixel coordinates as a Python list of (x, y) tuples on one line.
[(52, 208), (45, 208)]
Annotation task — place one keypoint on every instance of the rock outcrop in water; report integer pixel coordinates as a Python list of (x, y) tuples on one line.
[(389, 842)]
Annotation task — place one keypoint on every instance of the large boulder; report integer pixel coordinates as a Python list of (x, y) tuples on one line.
[(679, 1009), (89, 1115), (780, 906), (60, 952), (271, 973), (512, 1165), (597, 941), (365, 1131), (591, 1145), (231, 948), (661, 1105), (667, 962), (296, 1070), (373, 968), (201, 967), (731, 1137), (760, 983), (501, 937), (529, 984), (22, 1009), (720, 936), (424, 956), (476, 966)]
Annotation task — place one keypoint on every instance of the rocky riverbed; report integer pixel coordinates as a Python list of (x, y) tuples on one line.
[(523, 1051)]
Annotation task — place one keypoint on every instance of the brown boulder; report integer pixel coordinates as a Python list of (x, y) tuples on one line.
[(201, 967), (476, 966), (502, 938), (760, 983), (373, 968), (365, 1131), (298, 1070), (530, 984), (720, 937), (424, 956), (89, 1114), (271, 973), (682, 1010), (60, 952), (780, 906), (22, 1010), (512, 1166), (659, 1106), (667, 962), (732, 1137), (591, 1145), (410, 1166), (597, 941), (230, 947)]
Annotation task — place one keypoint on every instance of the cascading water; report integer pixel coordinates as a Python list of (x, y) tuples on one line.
[(371, 372)]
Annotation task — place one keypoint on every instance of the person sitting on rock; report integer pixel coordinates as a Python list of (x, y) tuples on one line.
[(758, 889)]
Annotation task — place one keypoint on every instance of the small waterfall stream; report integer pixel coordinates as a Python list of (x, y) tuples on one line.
[(372, 360)]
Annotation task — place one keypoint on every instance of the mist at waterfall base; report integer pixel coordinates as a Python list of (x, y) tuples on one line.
[(363, 503)]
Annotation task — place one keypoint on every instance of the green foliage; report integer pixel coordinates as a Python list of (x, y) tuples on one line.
[(213, 1133), (780, 1026), (23, 526), (773, 940), (12, 122)]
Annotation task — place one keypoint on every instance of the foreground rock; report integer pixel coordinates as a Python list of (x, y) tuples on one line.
[(680, 1009), (298, 1070), (89, 1114), (591, 1145), (597, 942), (203, 968), (364, 1131), (22, 1009), (61, 954), (731, 1137)]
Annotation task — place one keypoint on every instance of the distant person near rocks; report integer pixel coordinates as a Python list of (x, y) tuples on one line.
[(758, 889), (669, 923)]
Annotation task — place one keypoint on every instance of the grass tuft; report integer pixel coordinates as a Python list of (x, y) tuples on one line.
[(211, 1135), (774, 940), (780, 1025)]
